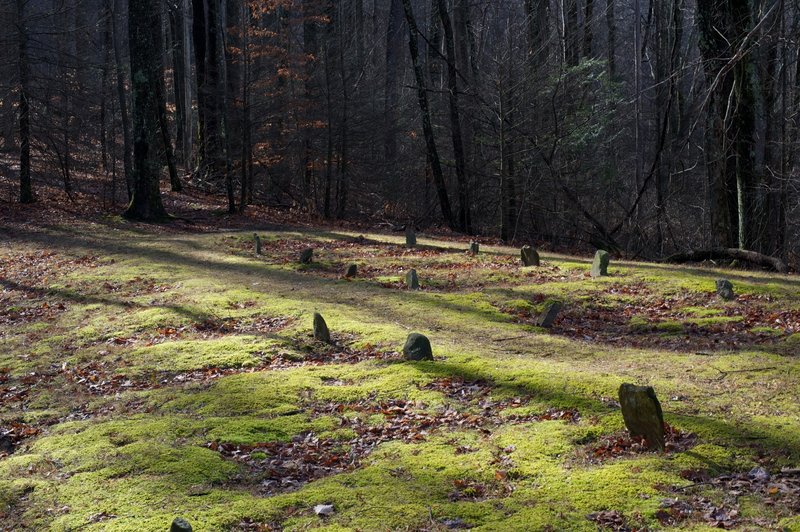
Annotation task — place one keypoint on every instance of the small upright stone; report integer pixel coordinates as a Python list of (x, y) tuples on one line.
[(258, 243), (411, 236), (642, 414), (417, 347), (600, 263), (321, 331), (725, 290), (530, 257), (351, 271), (412, 281), (474, 248), (549, 314), (180, 525), (307, 256)]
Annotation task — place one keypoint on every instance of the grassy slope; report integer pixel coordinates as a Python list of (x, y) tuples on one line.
[(140, 456)]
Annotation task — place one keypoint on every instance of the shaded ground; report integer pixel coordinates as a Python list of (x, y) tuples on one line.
[(146, 375)]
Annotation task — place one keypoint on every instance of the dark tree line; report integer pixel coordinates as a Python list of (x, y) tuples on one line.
[(636, 125)]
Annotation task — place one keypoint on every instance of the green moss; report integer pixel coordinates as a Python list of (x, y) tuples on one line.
[(235, 351), (143, 456)]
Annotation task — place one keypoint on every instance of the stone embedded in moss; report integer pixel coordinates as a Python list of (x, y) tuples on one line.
[(725, 289), (307, 256), (180, 525), (321, 331), (549, 314), (474, 248), (412, 280), (600, 263), (529, 256), (642, 414), (417, 347), (351, 271)]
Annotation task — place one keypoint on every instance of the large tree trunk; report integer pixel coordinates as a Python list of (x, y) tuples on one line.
[(394, 47), (611, 47), (25, 186), (724, 25), (127, 141), (464, 218), (146, 71), (743, 255), (427, 128)]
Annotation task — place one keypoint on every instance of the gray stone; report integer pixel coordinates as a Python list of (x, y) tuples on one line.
[(258, 243), (180, 525), (642, 414), (600, 263), (417, 347), (324, 510), (474, 248), (412, 281), (351, 271), (411, 236), (321, 331), (725, 290), (307, 256), (530, 257), (549, 314)]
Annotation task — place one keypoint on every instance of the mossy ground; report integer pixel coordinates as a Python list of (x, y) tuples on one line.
[(153, 346)]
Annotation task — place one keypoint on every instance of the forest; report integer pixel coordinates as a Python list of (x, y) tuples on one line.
[(649, 128), (399, 265)]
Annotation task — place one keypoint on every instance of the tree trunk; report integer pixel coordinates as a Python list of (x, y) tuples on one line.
[(427, 128), (730, 254), (146, 71), (611, 24), (25, 186), (588, 32), (394, 46), (464, 218), (127, 141)]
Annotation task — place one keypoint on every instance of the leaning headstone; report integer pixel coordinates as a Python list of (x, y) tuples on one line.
[(474, 248), (412, 281), (530, 257), (307, 256), (351, 271), (321, 331), (411, 236), (642, 414), (258, 243), (417, 347), (725, 289), (600, 263), (180, 525), (549, 314)]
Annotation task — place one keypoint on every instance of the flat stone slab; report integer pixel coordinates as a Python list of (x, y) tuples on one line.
[(411, 237), (549, 314), (529, 256), (642, 413), (412, 280), (417, 347), (600, 263)]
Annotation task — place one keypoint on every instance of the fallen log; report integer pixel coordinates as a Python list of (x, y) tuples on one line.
[(753, 257)]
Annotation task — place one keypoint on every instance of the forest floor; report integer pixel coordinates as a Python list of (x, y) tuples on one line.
[(150, 373)]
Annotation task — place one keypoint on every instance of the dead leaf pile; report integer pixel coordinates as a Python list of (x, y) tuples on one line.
[(622, 444)]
